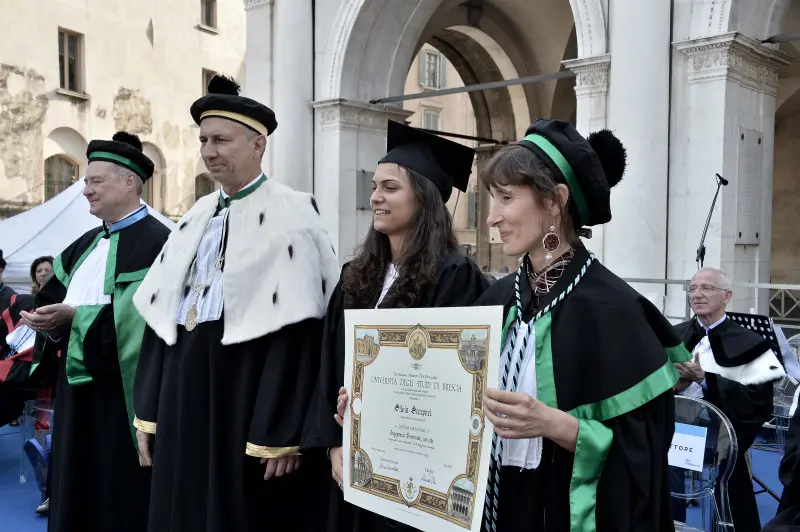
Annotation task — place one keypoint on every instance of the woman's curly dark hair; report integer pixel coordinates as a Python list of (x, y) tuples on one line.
[(429, 237)]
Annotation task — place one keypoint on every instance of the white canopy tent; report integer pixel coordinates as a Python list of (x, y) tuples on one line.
[(47, 230)]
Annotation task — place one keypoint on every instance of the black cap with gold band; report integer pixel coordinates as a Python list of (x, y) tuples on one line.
[(223, 101)]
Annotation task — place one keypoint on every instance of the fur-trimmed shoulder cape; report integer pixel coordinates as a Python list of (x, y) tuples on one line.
[(280, 265), (738, 354)]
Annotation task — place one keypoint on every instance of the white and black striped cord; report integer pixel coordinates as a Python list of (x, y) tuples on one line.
[(493, 485)]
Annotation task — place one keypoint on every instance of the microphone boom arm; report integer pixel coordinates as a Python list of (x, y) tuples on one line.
[(701, 249)]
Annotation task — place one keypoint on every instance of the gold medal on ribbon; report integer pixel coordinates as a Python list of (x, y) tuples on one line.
[(191, 318)]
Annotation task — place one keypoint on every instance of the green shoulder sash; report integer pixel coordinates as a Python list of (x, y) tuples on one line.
[(129, 325), (594, 436)]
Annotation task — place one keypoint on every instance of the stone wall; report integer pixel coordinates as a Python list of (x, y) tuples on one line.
[(141, 68)]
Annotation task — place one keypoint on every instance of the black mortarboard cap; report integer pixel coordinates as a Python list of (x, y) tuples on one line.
[(589, 167), (223, 101), (446, 163), (124, 149)]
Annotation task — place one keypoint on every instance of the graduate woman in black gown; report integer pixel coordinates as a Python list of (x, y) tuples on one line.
[(584, 410), (409, 258)]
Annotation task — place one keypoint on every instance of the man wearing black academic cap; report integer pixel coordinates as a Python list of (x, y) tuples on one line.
[(234, 309), (91, 331)]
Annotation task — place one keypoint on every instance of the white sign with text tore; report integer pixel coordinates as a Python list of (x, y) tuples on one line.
[(688, 447)]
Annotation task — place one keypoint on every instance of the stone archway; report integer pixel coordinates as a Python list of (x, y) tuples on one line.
[(366, 33), (64, 148), (368, 56), (66, 141), (496, 116), (784, 268)]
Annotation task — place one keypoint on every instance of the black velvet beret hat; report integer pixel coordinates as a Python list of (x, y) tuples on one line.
[(124, 149), (589, 167)]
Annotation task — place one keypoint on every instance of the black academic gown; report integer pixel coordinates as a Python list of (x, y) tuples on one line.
[(207, 404), (747, 407), (788, 516), (605, 340), (97, 483), (6, 293), (459, 284)]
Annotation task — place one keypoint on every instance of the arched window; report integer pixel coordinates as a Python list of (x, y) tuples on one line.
[(153, 190), (203, 186), (59, 174), (147, 190)]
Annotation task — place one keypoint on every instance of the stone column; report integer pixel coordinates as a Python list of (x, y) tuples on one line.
[(638, 113), (279, 73), (350, 139), (724, 124), (591, 94), (258, 63), (293, 90)]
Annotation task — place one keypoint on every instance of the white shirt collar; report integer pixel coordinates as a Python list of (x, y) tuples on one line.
[(716, 323), (248, 185)]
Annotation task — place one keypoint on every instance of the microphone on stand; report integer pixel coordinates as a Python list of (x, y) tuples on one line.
[(701, 249)]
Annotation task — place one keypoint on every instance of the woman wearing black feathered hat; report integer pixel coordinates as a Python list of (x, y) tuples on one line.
[(583, 413)]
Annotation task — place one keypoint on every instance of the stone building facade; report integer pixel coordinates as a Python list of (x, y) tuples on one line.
[(75, 70), (697, 94)]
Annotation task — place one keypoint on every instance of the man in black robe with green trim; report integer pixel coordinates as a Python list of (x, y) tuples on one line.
[(230, 356), (93, 333)]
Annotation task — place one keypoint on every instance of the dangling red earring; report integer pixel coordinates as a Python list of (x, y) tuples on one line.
[(551, 242)]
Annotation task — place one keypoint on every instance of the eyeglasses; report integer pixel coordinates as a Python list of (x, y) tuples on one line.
[(705, 289)]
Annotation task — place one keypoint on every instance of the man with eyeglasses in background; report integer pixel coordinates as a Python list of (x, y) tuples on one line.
[(733, 369)]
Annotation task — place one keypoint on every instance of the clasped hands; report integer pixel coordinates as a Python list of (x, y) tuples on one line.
[(689, 372)]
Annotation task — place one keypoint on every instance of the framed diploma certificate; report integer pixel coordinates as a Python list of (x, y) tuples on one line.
[(416, 443)]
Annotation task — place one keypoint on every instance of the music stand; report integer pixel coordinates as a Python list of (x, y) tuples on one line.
[(762, 326)]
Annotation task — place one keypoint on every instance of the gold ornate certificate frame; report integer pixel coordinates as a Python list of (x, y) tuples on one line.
[(472, 345)]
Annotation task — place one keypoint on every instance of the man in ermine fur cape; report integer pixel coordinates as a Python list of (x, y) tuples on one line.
[(234, 306)]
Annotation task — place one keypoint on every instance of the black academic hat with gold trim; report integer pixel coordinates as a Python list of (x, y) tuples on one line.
[(223, 101), (124, 149), (589, 167), (446, 163)]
